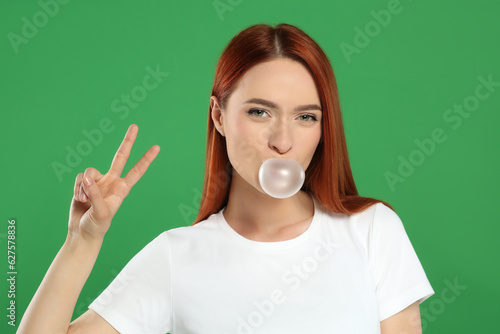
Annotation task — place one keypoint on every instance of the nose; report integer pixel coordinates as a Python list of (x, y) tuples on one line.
[(280, 138)]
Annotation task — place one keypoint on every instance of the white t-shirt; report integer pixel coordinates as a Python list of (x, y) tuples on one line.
[(344, 274)]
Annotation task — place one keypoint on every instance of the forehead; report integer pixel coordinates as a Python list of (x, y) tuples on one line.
[(284, 81)]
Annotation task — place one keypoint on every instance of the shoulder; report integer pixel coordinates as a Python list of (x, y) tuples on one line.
[(193, 234), (376, 216), (380, 229), (374, 224)]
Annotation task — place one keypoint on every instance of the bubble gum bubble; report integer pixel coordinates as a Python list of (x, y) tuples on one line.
[(281, 178)]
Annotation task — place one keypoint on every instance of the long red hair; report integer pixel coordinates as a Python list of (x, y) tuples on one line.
[(328, 176)]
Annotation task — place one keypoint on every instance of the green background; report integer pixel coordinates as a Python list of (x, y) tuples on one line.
[(393, 91)]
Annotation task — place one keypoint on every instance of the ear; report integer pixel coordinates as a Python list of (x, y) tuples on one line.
[(217, 115)]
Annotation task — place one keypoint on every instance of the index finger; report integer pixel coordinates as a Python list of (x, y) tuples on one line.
[(136, 172), (123, 152)]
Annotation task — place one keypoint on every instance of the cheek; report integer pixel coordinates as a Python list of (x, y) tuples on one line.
[(317, 133), (242, 146), (309, 143), (245, 134)]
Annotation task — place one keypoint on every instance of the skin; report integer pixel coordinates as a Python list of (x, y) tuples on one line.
[(278, 132), (92, 209), (406, 321), (268, 133)]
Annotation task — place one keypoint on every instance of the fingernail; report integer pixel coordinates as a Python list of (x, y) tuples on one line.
[(87, 181)]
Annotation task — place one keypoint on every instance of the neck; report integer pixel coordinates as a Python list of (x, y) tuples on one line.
[(257, 214)]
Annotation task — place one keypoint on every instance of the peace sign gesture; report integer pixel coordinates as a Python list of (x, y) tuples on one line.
[(97, 197)]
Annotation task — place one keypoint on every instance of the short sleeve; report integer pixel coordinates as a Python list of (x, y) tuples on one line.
[(139, 299), (399, 276)]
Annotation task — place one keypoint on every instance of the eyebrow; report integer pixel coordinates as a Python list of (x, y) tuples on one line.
[(273, 105)]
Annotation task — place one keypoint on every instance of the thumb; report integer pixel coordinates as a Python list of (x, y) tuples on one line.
[(94, 194)]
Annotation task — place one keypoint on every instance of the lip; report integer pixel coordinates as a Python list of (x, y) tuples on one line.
[(278, 158)]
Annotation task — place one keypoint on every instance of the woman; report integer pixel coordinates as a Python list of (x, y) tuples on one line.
[(324, 260)]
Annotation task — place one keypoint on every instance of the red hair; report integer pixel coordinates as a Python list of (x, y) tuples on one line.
[(328, 176)]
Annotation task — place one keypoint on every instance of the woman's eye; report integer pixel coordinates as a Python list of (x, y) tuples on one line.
[(256, 112), (308, 118), (259, 113)]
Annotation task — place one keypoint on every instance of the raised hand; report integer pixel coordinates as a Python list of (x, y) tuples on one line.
[(95, 203)]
